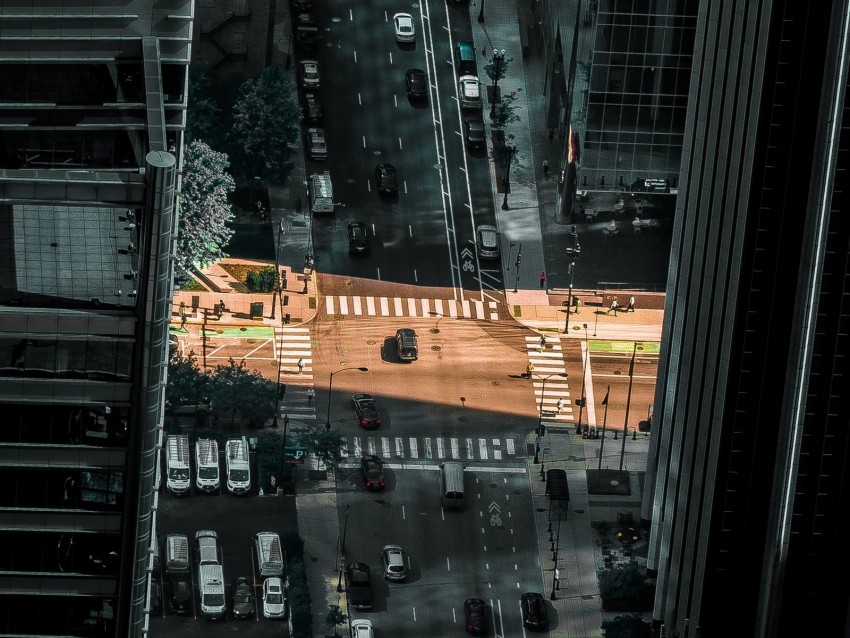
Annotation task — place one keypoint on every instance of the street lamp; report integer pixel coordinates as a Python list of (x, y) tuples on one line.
[(330, 390), (506, 180), (498, 60), (583, 399), (572, 255), (277, 281), (341, 547), (541, 430)]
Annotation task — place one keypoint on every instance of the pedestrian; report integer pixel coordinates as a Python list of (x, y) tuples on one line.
[(631, 307), (529, 369), (300, 366), (542, 342), (310, 396), (577, 304), (615, 305), (542, 280), (183, 322), (221, 307), (559, 406), (545, 168)]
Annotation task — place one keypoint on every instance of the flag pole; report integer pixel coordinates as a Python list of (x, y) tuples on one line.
[(628, 401), (602, 445)]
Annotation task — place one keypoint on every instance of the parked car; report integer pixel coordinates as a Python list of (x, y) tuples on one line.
[(475, 611), (417, 83), (358, 239), (242, 598), (302, 5), (309, 74), (487, 240), (474, 133), (313, 112), (366, 410), (372, 469), (274, 598), (317, 145), (469, 92), (404, 29), (362, 628), (534, 614), (407, 344), (392, 558), (386, 179), (179, 593)]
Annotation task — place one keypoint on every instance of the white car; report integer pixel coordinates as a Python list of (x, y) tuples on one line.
[(361, 628), (274, 598), (469, 92), (309, 75), (404, 30)]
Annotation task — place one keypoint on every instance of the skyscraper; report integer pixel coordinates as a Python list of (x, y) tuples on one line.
[(92, 109), (748, 476)]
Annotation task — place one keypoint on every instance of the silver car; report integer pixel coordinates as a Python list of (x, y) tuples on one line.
[(392, 558), (487, 238)]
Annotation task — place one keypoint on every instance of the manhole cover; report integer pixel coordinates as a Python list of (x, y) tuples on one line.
[(251, 341), (495, 383), (434, 331), (436, 348), (370, 342)]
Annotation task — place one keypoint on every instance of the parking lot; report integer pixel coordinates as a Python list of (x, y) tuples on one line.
[(235, 519)]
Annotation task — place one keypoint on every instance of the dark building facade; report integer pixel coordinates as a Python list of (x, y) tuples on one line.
[(749, 476), (92, 110)]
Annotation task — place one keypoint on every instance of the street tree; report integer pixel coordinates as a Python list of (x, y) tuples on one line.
[(503, 153), (266, 120), (204, 207), (504, 112), (204, 119), (325, 444), (235, 388), (186, 382), (335, 618), (496, 69)]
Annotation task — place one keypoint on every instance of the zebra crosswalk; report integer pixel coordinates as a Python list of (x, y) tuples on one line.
[(434, 448), (292, 344), (549, 380), (357, 306)]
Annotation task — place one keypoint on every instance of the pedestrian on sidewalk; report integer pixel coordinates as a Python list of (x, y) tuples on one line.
[(300, 366), (615, 305), (631, 307), (311, 394), (221, 307), (542, 280), (529, 369), (577, 304), (545, 168)]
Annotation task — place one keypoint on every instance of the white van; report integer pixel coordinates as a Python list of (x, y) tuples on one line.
[(269, 554), (206, 465), (211, 586), (177, 464), (238, 462), (451, 484)]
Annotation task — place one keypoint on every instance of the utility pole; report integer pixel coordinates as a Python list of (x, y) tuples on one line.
[(572, 254)]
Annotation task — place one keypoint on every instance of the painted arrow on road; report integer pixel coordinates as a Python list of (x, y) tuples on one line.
[(493, 507)]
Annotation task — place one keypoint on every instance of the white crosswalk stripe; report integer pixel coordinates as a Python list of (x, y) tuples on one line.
[(411, 307), (551, 393), (435, 449), (292, 344)]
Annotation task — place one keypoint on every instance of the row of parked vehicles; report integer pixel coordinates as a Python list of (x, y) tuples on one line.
[(207, 463), (210, 581)]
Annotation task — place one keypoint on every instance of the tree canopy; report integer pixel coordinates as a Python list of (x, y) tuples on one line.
[(265, 122), (204, 207), (505, 111), (234, 387), (626, 626)]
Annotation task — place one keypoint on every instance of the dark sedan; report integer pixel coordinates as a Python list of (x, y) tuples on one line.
[(372, 468), (366, 410), (417, 83), (475, 611), (358, 242), (386, 178), (242, 602), (313, 108), (534, 614)]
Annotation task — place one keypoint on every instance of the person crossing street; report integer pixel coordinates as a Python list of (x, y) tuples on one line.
[(311, 394)]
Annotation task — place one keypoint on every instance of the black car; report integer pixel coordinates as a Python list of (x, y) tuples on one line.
[(475, 610), (534, 614), (372, 468), (386, 179), (313, 112), (358, 239), (366, 411), (242, 598), (473, 132), (417, 83), (302, 5), (180, 594)]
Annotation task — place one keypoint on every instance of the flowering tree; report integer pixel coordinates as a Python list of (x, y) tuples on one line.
[(265, 122), (204, 208)]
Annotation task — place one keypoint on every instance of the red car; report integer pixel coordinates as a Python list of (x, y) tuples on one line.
[(475, 610)]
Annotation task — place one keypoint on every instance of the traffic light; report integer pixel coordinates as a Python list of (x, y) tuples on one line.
[(518, 259)]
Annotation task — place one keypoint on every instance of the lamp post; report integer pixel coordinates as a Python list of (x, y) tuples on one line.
[(277, 291), (583, 399), (506, 180), (436, 328), (541, 430), (330, 390), (498, 60), (572, 254), (341, 547)]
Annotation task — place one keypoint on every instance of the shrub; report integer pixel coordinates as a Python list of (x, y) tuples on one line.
[(622, 588), (262, 281), (298, 590)]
